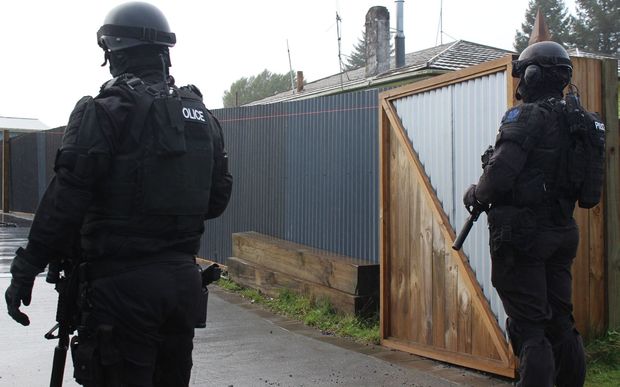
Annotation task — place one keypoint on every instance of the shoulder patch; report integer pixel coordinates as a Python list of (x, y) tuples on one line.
[(194, 111), (512, 115)]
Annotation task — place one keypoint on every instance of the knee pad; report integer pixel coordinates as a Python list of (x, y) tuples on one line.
[(536, 363), (520, 332), (570, 361), (560, 329)]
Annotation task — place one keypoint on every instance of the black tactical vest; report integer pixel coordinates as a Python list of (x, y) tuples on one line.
[(544, 183), (160, 188)]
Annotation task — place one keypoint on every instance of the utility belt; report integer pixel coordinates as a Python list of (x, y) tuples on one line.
[(97, 269), (518, 226)]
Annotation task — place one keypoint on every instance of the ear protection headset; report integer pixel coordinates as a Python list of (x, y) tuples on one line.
[(532, 75)]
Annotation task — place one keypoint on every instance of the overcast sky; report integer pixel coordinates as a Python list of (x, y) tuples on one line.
[(50, 57)]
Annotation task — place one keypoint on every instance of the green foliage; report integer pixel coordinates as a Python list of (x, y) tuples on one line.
[(357, 58), (319, 314), (597, 26), (257, 87), (228, 285), (556, 16), (603, 361)]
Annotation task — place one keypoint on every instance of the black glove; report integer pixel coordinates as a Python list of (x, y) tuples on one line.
[(20, 290), (470, 201), (211, 274)]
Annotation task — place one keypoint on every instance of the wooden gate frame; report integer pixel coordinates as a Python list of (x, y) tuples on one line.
[(463, 330), (468, 307)]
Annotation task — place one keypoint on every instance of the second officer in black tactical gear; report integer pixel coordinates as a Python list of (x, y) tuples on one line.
[(534, 178), (140, 168)]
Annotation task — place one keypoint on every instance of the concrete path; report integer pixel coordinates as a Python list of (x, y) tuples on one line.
[(243, 345)]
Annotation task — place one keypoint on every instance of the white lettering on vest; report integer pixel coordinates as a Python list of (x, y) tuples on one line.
[(193, 114)]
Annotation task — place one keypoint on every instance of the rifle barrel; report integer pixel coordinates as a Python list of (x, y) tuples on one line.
[(58, 365), (460, 239)]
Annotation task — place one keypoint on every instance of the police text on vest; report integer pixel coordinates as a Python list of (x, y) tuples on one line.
[(193, 114)]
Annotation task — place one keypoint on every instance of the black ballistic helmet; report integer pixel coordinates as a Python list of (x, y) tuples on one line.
[(134, 24), (546, 54)]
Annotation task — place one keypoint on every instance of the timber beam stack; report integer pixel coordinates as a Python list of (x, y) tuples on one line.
[(271, 265)]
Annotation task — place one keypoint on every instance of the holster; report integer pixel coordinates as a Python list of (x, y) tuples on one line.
[(201, 311), (208, 275)]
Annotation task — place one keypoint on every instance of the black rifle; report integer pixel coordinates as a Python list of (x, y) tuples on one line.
[(475, 212), (66, 284), (460, 239)]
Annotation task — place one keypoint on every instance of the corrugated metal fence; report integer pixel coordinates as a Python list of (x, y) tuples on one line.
[(31, 167), (304, 171)]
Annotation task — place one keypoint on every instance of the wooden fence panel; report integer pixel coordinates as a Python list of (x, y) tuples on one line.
[(611, 211), (589, 295), (432, 303), (436, 309)]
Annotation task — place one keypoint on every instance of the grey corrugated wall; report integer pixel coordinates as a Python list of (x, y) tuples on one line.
[(31, 167), (304, 171)]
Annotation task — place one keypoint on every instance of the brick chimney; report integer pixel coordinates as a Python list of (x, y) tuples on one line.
[(300, 81), (377, 41)]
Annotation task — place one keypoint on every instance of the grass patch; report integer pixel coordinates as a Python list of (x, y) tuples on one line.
[(602, 354), (318, 314), (603, 361)]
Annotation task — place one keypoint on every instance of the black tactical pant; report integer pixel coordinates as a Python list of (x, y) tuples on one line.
[(535, 288), (139, 326)]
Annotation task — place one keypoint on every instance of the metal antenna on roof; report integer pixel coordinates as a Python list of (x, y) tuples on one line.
[(440, 28), (338, 20), (290, 66)]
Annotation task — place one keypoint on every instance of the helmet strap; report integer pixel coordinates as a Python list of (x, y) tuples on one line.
[(106, 57)]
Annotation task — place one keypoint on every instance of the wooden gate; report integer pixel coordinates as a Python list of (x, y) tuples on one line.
[(432, 303)]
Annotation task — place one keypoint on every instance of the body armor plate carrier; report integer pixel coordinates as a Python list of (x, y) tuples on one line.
[(169, 173)]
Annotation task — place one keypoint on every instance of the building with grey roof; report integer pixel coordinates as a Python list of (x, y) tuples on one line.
[(418, 65), (26, 125)]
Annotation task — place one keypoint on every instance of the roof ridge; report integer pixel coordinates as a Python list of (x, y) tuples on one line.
[(428, 62), (20, 118)]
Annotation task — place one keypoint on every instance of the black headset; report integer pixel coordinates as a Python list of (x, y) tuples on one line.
[(532, 74)]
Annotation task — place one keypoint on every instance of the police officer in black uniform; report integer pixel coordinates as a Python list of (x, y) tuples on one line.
[(141, 166), (531, 183)]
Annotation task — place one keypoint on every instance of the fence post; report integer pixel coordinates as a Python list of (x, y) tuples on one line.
[(612, 203), (6, 158)]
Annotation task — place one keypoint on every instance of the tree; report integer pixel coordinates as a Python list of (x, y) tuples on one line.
[(254, 88), (556, 16), (597, 26), (357, 58)]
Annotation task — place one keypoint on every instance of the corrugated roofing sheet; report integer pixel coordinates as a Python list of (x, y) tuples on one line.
[(22, 124), (446, 57)]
